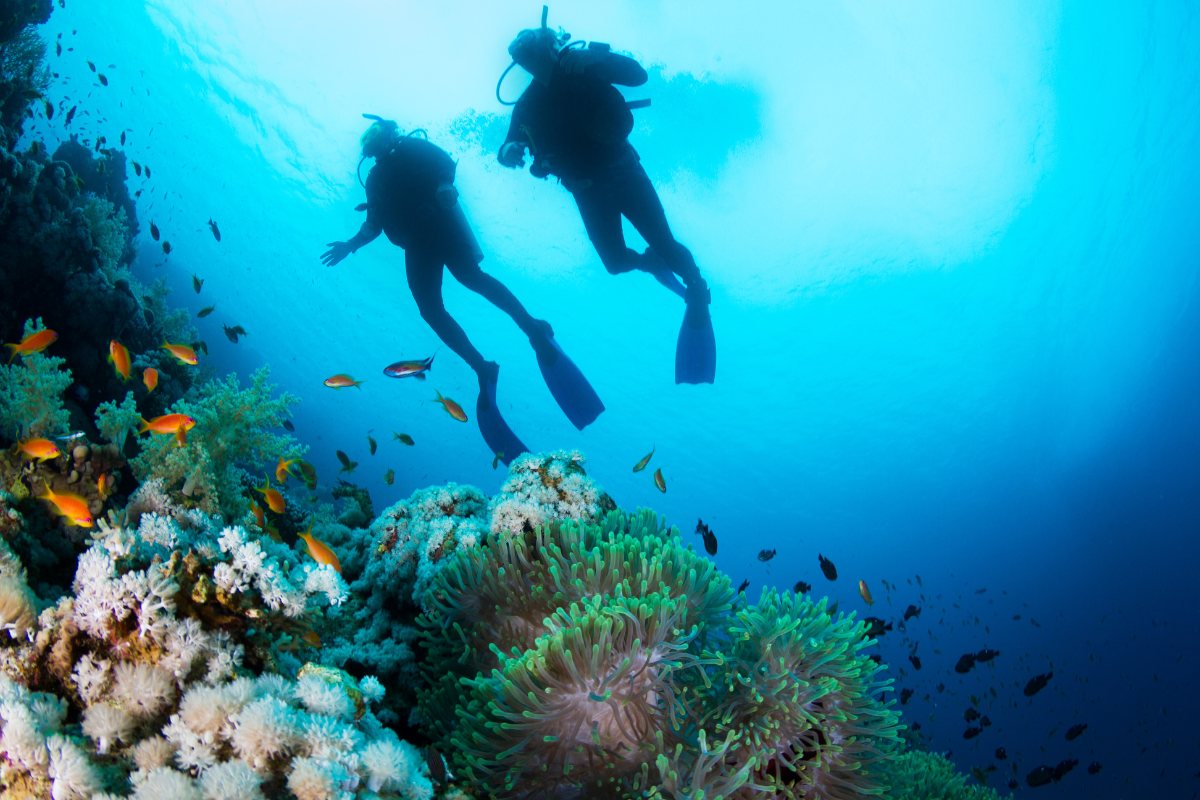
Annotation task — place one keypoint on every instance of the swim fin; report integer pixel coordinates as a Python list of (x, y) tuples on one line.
[(500, 438), (696, 349), (571, 390)]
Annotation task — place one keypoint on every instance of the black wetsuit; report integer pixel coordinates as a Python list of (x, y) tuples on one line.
[(409, 197), (577, 127)]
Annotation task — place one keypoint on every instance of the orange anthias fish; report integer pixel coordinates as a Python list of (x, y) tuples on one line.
[(71, 506), (177, 424), (283, 469), (341, 381), (118, 356), (274, 499), (182, 352), (259, 517), (104, 485), (865, 592), (150, 378), (41, 449), (452, 408), (660, 481), (33, 343), (319, 550)]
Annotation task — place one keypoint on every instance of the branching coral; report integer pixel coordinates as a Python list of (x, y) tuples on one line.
[(917, 775), (227, 449), (545, 487), (115, 422), (31, 396)]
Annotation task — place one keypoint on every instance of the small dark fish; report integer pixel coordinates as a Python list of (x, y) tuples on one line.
[(802, 587), (971, 714), (1094, 767), (660, 481), (915, 660), (1037, 683), (389, 477), (1075, 731), (308, 474), (137, 168), (347, 464), (71, 114), (288, 426), (905, 695), (122, 138), (372, 445), (166, 247), (212, 226), (827, 567), (984, 722), (58, 48), (437, 766), (91, 66), (965, 663), (972, 732), (147, 171), (641, 465), (153, 229), (743, 586), (204, 312), (1001, 754), (1013, 783), (103, 80), (233, 333), (766, 555), (403, 438), (910, 612), (49, 110), (413, 368), (985, 655), (197, 283), (710, 539), (876, 627), (200, 346), (361, 207)]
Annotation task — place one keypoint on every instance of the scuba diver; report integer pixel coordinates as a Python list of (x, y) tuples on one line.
[(411, 197), (576, 124)]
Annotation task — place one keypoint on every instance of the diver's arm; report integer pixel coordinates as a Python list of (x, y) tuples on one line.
[(512, 152), (337, 251), (597, 61)]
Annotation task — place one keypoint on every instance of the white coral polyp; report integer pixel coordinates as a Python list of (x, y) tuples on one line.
[(108, 725), (72, 776), (264, 730), (142, 689), (232, 780)]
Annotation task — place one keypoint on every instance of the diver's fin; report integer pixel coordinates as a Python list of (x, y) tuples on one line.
[(696, 350), (499, 437), (571, 390)]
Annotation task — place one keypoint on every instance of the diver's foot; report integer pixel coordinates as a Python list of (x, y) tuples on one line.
[(542, 339)]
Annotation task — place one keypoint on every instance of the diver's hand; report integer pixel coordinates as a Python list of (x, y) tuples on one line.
[(336, 252), (512, 154)]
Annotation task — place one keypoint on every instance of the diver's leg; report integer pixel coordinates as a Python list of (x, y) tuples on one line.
[(640, 203), (602, 219), (469, 274), (425, 282)]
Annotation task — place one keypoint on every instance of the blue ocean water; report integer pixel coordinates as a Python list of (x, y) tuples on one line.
[(953, 254)]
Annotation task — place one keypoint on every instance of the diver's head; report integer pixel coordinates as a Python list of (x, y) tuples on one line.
[(379, 138), (536, 49)]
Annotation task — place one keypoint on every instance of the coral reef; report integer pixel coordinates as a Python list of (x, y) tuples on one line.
[(31, 395), (541, 488), (561, 661), (917, 775)]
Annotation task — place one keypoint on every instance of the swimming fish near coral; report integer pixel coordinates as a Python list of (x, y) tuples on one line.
[(35, 342), (308, 474), (389, 477), (403, 438), (174, 424), (150, 378), (827, 567), (197, 283), (40, 449), (166, 248), (320, 551), (118, 356), (153, 227), (259, 516), (232, 333), (660, 481), (911, 611), (802, 587), (452, 408), (68, 505), (766, 555), (341, 381), (204, 312), (182, 353), (347, 464), (1037, 683), (104, 485), (288, 426), (743, 586), (212, 226), (274, 499), (372, 445), (641, 465), (710, 539), (413, 368), (282, 469), (865, 593)]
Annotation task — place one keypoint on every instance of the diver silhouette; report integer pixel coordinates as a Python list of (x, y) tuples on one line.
[(411, 197), (576, 125)]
